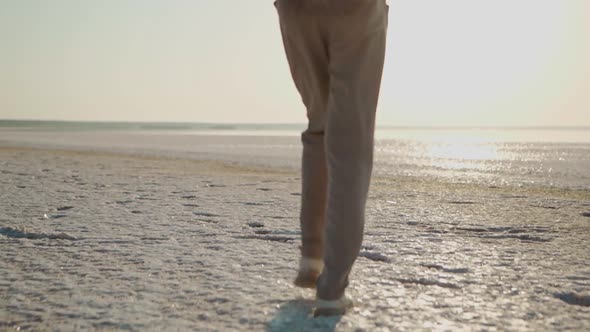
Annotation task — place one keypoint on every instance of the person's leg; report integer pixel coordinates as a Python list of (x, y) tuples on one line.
[(357, 50), (308, 61)]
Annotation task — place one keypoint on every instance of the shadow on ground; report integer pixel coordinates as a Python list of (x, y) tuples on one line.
[(296, 315)]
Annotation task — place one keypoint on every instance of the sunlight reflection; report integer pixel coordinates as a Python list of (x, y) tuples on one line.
[(462, 151), (460, 155)]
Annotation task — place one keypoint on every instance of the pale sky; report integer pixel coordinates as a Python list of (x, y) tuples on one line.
[(449, 63)]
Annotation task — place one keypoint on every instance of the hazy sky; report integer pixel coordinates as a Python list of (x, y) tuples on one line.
[(451, 62)]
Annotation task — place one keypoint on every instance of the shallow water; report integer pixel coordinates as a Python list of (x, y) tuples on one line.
[(493, 162)]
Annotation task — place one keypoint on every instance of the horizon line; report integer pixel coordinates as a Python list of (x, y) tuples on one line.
[(383, 126)]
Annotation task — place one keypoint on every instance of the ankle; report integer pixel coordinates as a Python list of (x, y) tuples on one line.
[(311, 264)]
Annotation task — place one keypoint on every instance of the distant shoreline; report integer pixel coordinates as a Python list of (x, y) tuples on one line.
[(142, 125)]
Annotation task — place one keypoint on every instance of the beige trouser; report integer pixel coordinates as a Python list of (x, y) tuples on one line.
[(335, 50)]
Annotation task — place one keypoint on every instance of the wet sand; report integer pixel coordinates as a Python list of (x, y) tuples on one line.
[(113, 241)]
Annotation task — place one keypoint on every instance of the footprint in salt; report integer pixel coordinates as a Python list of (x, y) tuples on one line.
[(253, 203), (574, 298), (448, 270), (255, 224), (272, 238), (277, 217), (23, 233), (53, 216), (512, 196), (461, 202), (212, 185), (585, 214), (190, 205), (205, 214), (375, 256), (428, 282), (549, 207), (209, 221)]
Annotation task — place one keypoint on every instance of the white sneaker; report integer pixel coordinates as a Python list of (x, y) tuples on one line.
[(309, 271), (332, 307)]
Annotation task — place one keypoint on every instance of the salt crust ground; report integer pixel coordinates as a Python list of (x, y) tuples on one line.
[(98, 241)]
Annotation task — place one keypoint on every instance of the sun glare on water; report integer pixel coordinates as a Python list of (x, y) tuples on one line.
[(460, 155)]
